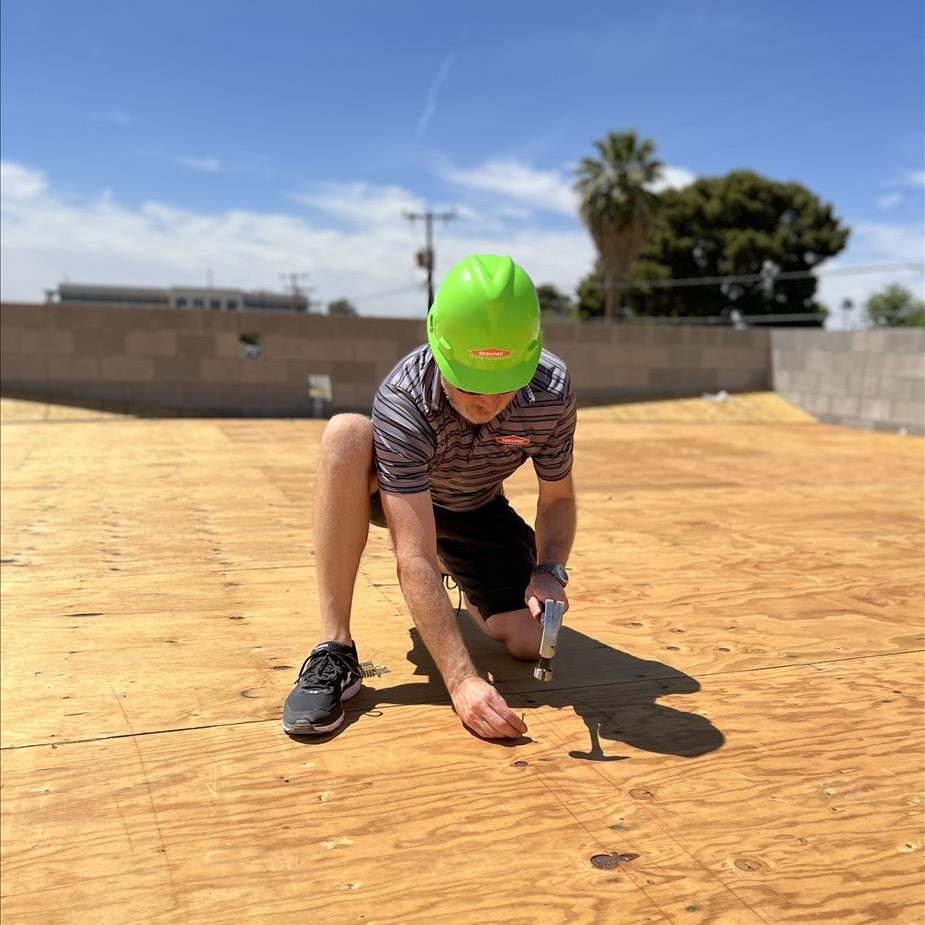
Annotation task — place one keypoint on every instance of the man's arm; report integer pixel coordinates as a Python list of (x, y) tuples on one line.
[(479, 705), (556, 520)]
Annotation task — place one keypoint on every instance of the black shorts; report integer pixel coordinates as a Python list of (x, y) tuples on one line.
[(490, 552)]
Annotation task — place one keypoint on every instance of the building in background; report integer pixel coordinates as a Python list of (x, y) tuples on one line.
[(184, 298)]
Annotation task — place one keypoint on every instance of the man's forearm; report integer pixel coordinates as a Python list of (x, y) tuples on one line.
[(555, 530), (433, 616)]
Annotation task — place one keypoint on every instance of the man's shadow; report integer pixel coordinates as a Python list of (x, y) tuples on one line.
[(616, 694)]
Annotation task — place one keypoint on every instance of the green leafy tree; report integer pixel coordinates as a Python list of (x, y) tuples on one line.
[(552, 302), (741, 224), (590, 294), (617, 205), (895, 307), (341, 307)]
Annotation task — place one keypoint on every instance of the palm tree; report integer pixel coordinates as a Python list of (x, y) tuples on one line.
[(618, 205)]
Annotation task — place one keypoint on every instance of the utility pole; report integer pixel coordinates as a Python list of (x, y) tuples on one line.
[(295, 290), (425, 258)]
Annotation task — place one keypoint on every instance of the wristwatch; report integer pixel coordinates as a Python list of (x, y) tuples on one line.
[(557, 571)]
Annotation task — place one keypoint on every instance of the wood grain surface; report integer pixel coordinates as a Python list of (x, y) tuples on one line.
[(733, 731)]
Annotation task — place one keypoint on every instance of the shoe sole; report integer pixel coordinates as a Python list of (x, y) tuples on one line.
[(296, 729)]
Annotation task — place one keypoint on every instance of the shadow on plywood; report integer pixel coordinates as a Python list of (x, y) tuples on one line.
[(613, 692)]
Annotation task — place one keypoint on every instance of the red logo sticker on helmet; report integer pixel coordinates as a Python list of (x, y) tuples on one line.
[(513, 440), (491, 353)]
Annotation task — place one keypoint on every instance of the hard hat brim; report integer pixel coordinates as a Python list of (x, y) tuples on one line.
[(485, 382)]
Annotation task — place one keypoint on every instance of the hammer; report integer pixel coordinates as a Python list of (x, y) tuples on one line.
[(552, 623)]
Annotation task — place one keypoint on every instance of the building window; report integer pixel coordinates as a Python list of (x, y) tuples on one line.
[(198, 303), (215, 303), (251, 347), (181, 303), (233, 306)]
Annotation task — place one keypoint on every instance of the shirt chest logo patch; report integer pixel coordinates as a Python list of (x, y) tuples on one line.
[(512, 440)]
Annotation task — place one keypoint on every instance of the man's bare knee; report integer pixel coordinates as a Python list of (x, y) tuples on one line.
[(348, 436), (518, 632), (349, 430)]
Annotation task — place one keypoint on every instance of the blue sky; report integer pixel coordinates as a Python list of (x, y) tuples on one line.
[(160, 143)]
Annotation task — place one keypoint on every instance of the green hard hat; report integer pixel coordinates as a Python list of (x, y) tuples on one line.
[(484, 326)]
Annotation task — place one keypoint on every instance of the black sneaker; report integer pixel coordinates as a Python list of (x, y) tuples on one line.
[(330, 674)]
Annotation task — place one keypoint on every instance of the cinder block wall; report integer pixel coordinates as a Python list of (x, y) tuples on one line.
[(869, 379), (194, 361)]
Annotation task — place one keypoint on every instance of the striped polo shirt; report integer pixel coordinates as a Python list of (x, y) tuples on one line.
[(422, 443)]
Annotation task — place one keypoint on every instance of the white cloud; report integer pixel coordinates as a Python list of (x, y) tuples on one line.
[(872, 243), (550, 190), (204, 164), (882, 243), (362, 204), (515, 212), (47, 237), (673, 178), (18, 182), (430, 107), (914, 177), (562, 258), (889, 200), (542, 189)]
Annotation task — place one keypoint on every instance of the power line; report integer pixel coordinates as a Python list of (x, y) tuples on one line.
[(388, 292), (701, 280), (679, 283)]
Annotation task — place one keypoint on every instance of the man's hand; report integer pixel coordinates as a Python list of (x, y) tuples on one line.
[(542, 587), (484, 711)]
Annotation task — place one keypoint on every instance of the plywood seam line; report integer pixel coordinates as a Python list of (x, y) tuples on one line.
[(446, 701), (711, 875), (173, 572), (732, 671), (603, 850), (655, 821), (157, 821), (813, 664), (550, 732)]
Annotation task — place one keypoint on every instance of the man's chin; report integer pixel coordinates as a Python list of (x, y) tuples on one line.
[(483, 419)]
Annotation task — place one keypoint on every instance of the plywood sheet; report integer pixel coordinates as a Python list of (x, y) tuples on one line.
[(722, 806), (721, 407), (736, 700)]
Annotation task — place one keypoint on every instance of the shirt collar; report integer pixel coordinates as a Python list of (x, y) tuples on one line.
[(432, 391)]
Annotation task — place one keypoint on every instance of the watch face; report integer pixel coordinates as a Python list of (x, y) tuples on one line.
[(560, 574)]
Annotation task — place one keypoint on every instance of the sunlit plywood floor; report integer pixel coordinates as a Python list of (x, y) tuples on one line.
[(734, 730)]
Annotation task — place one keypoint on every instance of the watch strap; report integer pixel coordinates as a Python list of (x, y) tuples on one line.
[(551, 568)]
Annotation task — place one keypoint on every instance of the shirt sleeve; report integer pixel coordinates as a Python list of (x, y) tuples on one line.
[(554, 461), (404, 442)]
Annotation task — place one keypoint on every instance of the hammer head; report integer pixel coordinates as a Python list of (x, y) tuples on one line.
[(552, 623)]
